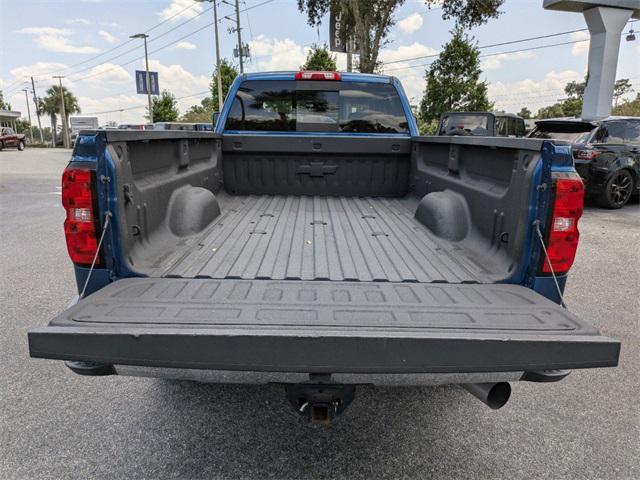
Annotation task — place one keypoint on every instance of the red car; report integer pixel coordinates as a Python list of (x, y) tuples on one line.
[(9, 138)]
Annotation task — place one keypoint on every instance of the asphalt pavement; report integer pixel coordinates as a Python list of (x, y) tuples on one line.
[(55, 424)]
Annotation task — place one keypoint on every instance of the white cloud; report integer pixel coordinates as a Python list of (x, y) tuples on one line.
[(55, 40), (412, 78), (406, 51), (115, 105), (495, 61), (37, 69), (79, 21), (107, 37), (181, 82), (276, 54), (533, 94), (411, 23), (582, 48), (185, 45), (109, 73), (181, 9), (45, 31)]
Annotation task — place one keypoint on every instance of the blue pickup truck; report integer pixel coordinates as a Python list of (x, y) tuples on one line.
[(314, 239)]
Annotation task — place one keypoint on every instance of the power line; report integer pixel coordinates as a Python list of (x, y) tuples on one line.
[(493, 45), (494, 54), (511, 42), (122, 54), (117, 46), (144, 106), (167, 45)]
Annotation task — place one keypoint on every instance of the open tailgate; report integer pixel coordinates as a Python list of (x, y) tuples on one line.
[(317, 326)]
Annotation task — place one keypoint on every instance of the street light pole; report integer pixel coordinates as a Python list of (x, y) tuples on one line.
[(65, 133), (144, 37)]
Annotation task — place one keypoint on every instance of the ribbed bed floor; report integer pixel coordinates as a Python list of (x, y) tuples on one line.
[(322, 238)]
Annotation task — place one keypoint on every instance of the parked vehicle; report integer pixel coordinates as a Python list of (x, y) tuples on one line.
[(481, 124), (11, 139), (82, 123), (317, 241), (606, 154), (134, 126), (199, 127)]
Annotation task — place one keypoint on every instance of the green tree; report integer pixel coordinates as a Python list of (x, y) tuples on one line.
[(552, 111), (453, 80), (165, 107), (205, 110), (629, 108), (228, 73), (319, 59), (370, 21), (50, 105), (572, 106), (620, 89), (524, 113), (3, 104), (202, 113), (575, 89), (468, 13)]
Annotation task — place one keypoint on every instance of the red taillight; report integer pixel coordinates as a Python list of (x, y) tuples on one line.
[(585, 154), (80, 224), (562, 239), (318, 76)]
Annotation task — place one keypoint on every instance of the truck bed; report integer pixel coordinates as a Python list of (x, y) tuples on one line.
[(321, 238)]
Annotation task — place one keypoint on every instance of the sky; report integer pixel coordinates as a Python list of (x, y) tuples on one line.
[(88, 42)]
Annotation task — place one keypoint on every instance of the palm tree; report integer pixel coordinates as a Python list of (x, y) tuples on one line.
[(50, 105)]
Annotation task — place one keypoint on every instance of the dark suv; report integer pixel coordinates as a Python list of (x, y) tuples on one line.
[(606, 154)]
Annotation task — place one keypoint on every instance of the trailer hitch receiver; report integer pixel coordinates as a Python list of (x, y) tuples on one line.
[(320, 402)]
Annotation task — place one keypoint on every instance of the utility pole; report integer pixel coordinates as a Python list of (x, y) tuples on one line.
[(65, 133), (240, 49), (349, 57), (218, 74), (144, 36), (35, 103), (218, 70), (26, 98)]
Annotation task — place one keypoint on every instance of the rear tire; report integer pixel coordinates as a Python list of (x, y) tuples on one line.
[(1, 146), (617, 190), (21, 145)]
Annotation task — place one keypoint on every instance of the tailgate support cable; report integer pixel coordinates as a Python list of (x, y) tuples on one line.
[(546, 256), (107, 217)]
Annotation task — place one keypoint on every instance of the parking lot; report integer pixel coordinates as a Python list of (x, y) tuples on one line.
[(55, 424)]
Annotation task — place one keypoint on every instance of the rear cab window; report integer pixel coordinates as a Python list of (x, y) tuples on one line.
[(317, 106)]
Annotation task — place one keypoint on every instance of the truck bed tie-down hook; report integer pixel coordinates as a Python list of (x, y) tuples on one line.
[(107, 217)]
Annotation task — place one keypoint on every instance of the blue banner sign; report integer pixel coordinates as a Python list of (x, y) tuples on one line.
[(141, 82)]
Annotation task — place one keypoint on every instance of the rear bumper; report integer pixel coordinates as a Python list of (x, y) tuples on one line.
[(293, 351), (263, 378)]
